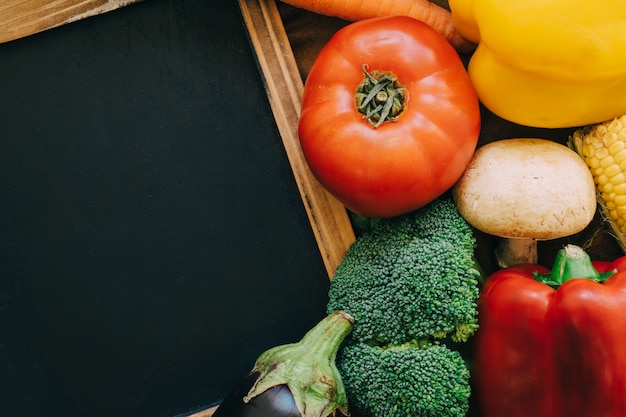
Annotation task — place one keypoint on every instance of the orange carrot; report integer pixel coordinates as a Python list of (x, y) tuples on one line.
[(426, 11)]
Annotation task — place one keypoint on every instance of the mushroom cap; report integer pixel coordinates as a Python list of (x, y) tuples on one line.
[(526, 188)]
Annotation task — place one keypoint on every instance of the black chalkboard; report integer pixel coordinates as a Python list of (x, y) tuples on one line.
[(152, 238)]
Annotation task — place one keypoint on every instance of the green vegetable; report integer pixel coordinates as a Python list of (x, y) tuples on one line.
[(296, 379), (410, 277), (413, 379), (308, 368), (411, 284)]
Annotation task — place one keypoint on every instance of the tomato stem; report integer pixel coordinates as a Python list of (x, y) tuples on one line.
[(380, 97)]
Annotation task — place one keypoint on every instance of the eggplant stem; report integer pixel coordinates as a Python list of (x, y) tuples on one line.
[(308, 368)]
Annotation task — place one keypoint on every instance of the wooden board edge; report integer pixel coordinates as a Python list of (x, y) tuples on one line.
[(205, 413), (21, 18), (328, 217)]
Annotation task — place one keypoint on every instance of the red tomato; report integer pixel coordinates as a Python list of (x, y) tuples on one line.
[(400, 165)]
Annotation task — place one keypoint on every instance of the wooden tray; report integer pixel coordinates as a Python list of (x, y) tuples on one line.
[(22, 18), (328, 218), (283, 69)]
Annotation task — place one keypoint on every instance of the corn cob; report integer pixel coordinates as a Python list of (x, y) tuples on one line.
[(603, 148)]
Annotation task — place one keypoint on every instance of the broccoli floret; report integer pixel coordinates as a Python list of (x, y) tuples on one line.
[(418, 380), (411, 284), (410, 277)]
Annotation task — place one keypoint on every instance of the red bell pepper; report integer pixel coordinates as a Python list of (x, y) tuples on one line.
[(552, 343)]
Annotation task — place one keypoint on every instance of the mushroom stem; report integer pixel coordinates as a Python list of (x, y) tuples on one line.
[(516, 251)]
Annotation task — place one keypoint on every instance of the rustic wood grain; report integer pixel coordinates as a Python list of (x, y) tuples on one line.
[(205, 413), (21, 18), (328, 217)]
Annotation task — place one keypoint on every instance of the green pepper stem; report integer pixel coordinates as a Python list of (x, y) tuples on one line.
[(571, 262), (308, 368)]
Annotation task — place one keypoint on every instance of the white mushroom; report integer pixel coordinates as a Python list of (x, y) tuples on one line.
[(525, 190)]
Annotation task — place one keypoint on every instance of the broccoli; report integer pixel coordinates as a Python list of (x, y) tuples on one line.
[(412, 379), (411, 284)]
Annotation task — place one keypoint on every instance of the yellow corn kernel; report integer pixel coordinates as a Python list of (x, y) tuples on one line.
[(601, 153), (603, 148), (616, 148), (592, 161), (620, 156), (620, 188), (620, 200), (601, 180), (618, 178)]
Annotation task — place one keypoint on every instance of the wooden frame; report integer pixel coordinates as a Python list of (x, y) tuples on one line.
[(328, 217), (22, 18)]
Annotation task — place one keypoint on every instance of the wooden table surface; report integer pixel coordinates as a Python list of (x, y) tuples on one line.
[(20, 18)]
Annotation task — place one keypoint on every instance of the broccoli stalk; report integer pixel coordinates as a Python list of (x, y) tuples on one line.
[(411, 284)]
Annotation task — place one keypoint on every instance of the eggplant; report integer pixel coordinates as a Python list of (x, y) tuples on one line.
[(295, 380)]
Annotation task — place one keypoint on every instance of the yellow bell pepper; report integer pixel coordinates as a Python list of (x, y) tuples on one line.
[(547, 63)]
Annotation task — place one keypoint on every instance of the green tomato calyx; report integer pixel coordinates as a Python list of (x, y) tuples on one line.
[(380, 97)]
